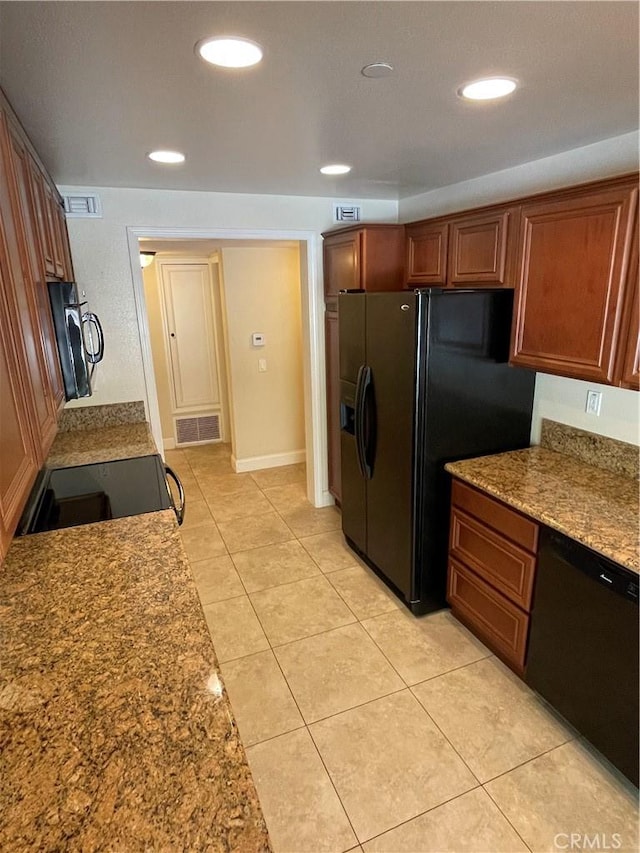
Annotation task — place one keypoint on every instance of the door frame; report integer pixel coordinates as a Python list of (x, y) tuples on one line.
[(313, 357)]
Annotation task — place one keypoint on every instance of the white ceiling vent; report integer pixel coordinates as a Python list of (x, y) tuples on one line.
[(194, 430), (85, 205), (347, 212)]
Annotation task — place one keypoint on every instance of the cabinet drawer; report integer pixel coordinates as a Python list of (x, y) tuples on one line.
[(504, 565), (521, 530), (498, 622)]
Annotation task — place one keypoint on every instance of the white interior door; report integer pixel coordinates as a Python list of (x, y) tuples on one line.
[(194, 370)]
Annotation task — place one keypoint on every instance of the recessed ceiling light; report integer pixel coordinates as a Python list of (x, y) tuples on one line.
[(335, 169), (377, 69), (487, 89), (230, 52), (166, 157)]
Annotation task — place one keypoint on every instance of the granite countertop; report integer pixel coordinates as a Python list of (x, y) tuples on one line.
[(115, 730), (596, 507), (101, 444)]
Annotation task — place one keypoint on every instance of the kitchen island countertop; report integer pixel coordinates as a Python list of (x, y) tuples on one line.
[(596, 507), (115, 730)]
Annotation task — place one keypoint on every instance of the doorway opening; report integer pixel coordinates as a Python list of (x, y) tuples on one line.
[(232, 345)]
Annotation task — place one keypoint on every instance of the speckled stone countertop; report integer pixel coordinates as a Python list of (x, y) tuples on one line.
[(101, 444), (593, 506), (115, 733)]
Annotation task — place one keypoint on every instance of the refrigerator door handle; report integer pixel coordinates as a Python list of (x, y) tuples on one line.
[(358, 418), (368, 423), (362, 388)]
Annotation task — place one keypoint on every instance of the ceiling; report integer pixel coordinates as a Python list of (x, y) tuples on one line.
[(100, 84)]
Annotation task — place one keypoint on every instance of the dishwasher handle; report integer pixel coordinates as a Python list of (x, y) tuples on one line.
[(179, 510)]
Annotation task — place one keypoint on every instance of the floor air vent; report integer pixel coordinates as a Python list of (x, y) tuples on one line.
[(192, 430)]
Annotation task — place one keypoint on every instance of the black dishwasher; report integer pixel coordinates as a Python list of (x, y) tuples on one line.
[(583, 646)]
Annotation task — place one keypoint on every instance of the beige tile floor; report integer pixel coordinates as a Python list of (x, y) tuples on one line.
[(366, 728)]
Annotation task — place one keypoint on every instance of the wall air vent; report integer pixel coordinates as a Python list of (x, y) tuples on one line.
[(197, 429), (85, 205), (347, 212)]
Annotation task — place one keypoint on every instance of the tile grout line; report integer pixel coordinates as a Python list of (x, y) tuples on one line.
[(505, 816), (410, 687), (306, 725)]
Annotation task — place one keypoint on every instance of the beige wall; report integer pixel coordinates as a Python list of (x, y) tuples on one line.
[(261, 293)]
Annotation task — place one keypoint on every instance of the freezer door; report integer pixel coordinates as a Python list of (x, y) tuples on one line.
[(391, 341), (351, 316)]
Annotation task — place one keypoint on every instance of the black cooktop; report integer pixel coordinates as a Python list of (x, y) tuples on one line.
[(82, 494)]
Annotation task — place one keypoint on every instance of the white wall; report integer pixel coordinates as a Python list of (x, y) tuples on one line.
[(261, 290), (600, 160), (556, 398), (102, 268), (564, 400)]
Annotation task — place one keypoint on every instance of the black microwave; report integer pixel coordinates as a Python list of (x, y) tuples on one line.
[(79, 338)]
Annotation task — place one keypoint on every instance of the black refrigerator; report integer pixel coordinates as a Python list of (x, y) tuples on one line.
[(424, 380)]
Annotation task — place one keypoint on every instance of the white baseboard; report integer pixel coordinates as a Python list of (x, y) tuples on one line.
[(326, 499), (169, 443), (273, 460)]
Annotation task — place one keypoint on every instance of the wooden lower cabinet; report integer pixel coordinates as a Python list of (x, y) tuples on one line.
[(492, 560), (499, 623)]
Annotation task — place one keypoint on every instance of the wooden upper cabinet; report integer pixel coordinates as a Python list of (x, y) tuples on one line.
[(482, 249), (20, 293), (35, 279), (628, 369), (53, 217), (341, 263), (426, 254), (64, 249), (367, 257), (574, 255), (45, 232)]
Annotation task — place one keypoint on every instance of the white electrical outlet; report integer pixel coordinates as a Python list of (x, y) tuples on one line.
[(594, 401)]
